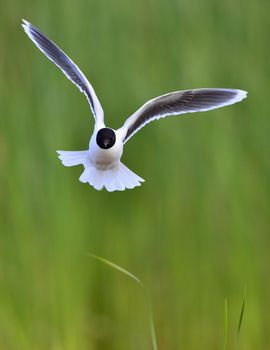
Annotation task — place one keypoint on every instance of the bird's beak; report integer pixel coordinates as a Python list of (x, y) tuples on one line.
[(106, 143)]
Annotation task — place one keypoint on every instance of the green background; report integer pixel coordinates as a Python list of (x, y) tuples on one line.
[(196, 232)]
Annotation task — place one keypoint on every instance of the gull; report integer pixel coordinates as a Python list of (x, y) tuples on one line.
[(102, 160)]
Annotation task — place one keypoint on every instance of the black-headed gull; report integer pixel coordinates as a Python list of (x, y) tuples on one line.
[(102, 165)]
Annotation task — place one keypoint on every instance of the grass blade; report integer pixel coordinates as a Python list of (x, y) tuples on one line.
[(148, 302), (116, 267), (225, 324), (242, 312)]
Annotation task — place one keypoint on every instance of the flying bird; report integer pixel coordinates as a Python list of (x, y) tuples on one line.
[(102, 161)]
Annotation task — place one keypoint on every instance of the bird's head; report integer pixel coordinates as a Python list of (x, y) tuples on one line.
[(105, 138)]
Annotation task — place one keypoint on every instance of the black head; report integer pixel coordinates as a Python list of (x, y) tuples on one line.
[(105, 138)]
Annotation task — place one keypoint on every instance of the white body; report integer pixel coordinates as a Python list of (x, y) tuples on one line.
[(102, 167)]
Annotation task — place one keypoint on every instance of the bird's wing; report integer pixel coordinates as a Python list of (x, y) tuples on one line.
[(68, 67), (179, 102)]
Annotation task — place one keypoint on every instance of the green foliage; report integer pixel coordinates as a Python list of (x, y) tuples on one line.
[(196, 231)]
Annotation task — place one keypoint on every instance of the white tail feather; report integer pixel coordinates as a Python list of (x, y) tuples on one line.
[(71, 158), (114, 178)]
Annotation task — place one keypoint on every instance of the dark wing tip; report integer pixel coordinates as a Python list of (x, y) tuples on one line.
[(26, 25), (29, 29)]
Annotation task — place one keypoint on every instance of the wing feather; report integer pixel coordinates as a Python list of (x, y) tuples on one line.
[(68, 67), (179, 102)]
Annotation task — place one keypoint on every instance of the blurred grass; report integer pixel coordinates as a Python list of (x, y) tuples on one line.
[(196, 232), (144, 290)]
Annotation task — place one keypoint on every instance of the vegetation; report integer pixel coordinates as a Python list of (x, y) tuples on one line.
[(196, 232)]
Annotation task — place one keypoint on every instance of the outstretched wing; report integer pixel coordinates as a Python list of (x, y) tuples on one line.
[(68, 67), (179, 102)]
